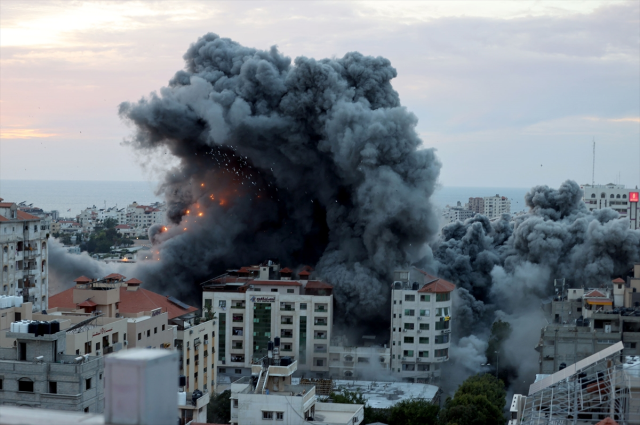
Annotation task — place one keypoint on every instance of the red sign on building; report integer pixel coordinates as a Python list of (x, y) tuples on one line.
[(633, 196)]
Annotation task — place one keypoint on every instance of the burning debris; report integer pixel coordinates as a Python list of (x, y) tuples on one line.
[(314, 162)]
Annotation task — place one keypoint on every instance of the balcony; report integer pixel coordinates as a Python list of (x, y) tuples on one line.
[(286, 335), (287, 322), (320, 350), (238, 306), (287, 307), (320, 323), (320, 309), (238, 319), (320, 337)]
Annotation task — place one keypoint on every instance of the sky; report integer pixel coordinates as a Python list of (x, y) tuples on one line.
[(510, 93)]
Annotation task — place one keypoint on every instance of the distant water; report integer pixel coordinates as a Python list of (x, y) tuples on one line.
[(63, 195), (77, 195)]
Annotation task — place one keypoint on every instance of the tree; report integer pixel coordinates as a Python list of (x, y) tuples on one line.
[(110, 223), (480, 400), (414, 412), (219, 408)]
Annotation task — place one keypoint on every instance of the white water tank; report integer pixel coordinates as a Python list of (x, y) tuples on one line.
[(12, 327), (17, 301), (182, 398), (25, 326)]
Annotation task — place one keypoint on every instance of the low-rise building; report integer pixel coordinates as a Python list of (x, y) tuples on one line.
[(36, 373), (350, 362), (420, 324), (270, 395)]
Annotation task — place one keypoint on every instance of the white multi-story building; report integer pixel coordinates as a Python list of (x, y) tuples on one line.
[(615, 196), (495, 206), (350, 362), (270, 395), (420, 324), (24, 261), (145, 216), (456, 213), (258, 304)]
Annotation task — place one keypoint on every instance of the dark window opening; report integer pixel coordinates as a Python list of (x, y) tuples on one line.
[(25, 385), (53, 387)]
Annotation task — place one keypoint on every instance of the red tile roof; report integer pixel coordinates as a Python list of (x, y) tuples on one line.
[(304, 273), (6, 204), (595, 294), (618, 280), (26, 216), (82, 279), (131, 302), (318, 284), (308, 268), (2, 218), (275, 282), (133, 281), (87, 303), (286, 270), (436, 285)]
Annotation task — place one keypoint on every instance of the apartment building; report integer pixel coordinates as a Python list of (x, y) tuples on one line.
[(495, 206), (257, 304), (351, 362), (152, 320), (197, 359), (24, 255), (456, 213), (615, 196), (476, 205), (36, 373), (420, 324), (145, 216)]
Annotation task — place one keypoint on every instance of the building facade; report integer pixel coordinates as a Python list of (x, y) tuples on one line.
[(495, 206), (256, 304), (349, 362), (36, 373), (198, 355), (420, 324), (24, 255), (615, 196), (476, 205)]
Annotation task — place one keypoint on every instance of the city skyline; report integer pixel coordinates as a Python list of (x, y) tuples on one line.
[(507, 89)]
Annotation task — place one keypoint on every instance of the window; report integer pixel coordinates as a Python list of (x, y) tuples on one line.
[(424, 340), (289, 291), (425, 298), (407, 353), (409, 326), (442, 325), (267, 415), (274, 290), (97, 346), (280, 416), (425, 313), (155, 330), (238, 371), (235, 403), (320, 362), (53, 388), (363, 359), (87, 383), (124, 338), (593, 195), (25, 384), (222, 370), (408, 340), (443, 297), (222, 303), (87, 347), (207, 304), (441, 353), (1, 379), (139, 336), (114, 337), (442, 339), (409, 297), (86, 410), (163, 327), (303, 306), (423, 354), (424, 326), (409, 312), (444, 311), (148, 333)]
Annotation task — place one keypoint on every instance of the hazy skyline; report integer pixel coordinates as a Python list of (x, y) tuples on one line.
[(510, 93)]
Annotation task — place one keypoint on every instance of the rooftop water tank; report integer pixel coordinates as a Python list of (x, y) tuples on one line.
[(182, 398), (55, 327), (33, 328), (276, 341)]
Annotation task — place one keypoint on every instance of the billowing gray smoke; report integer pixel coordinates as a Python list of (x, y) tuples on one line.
[(313, 162), (503, 269)]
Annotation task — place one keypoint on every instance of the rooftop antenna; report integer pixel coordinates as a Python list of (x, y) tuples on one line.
[(593, 170)]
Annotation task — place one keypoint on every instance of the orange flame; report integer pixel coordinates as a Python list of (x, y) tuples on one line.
[(199, 214)]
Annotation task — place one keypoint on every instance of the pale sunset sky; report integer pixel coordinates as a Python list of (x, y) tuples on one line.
[(510, 93)]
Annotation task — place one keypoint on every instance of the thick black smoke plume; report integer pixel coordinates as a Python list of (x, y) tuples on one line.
[(312, 162), (504, 268)]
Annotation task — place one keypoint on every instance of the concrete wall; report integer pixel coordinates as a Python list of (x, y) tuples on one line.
[(198, 342), (150, 329)]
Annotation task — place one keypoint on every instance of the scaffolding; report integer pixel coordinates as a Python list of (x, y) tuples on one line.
[(585, 393)]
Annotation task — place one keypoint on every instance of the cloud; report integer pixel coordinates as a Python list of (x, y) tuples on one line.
[(24, 133)]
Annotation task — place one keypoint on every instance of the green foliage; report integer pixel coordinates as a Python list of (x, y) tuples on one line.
[(413, 412), (407, 412), (480, 400), (110, 223), (102, 240), (487, 385), (219, 408)]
